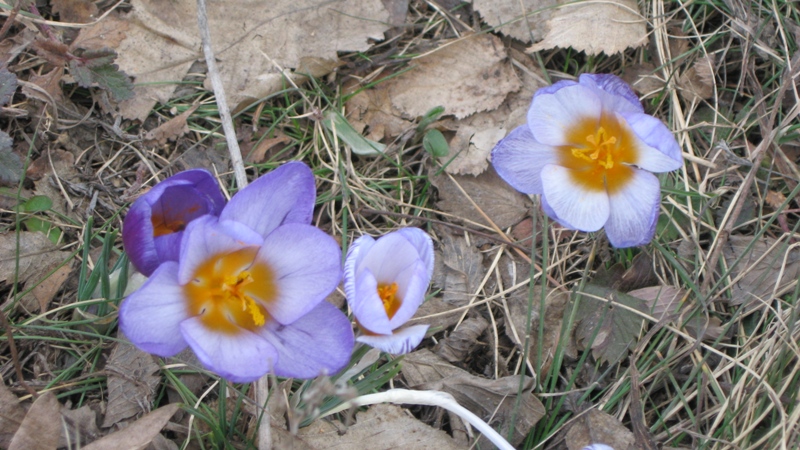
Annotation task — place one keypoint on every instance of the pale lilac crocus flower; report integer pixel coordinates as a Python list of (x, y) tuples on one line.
[(153, 229), (385, 281), (248, 292), (598, 447), (589, 149)]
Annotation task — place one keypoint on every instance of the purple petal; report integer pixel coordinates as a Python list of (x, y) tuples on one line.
[(367, 305), (137, 237), (207, 185), (241, 357), (553, 88), (151, 316), (285, 195), (319, 342), (168, 246), (400, 342), (423, 243), (355, 253), (550, 117), (598, 447), (306, 264), (207, 237), (620, 97), (585, 209), (634, 211), (655, 134), (412, 284), (519, 160)]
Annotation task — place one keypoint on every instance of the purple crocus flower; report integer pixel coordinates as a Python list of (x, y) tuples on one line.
[(153, 229), (248, 292), (588, 148), (385, 281)]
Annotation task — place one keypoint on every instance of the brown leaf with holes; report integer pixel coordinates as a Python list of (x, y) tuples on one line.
[(504, 205), (41, 427), (768, 269), (697, 82), (139, 433), (131, 383), (595, 27), (597, 427), (465, 76), (458, 344), (170, 130), (491, 400), (380, 427)]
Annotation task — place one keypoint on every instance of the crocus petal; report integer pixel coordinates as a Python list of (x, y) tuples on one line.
[(552, 214), (519, 160), (320, 341), (357, 249), (412, 284), (553, 88), (634, 211), (168, 246), (367, 305), (584, 209), (598, 447), (655, 135), (151, 316), (390, 255), (137, 238), (207, 237), (618, 96), (551, 116), (306, 264), (285, 195), (423, 243), (240, 357), (399, 343), (206, 184)]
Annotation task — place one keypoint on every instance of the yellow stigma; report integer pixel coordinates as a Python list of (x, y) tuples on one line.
[(600, 154), (229, 292), (388, 295)]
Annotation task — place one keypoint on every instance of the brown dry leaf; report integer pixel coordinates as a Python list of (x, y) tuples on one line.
[(163, 41), (131, 382), (529, 18), (697, 83), (465, 76), (170, 130), (485, 398), (643, 79), (476, 136), (109, 32), (80, 427), (669, 301), (597, 427), (11, 415), (259, 153), (456, 346), (768, 267), (457, 270), (49, 86), (775, 199), (41, 427), (37, 256), (598, 27), (443, 315), (496, 198), (381, 427), (74, 11), (47, 289), (138, 434), (555, 302), (372, 114)]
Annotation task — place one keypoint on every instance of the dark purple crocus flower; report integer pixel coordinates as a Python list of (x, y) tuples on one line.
[(153, 229), (248, 291)]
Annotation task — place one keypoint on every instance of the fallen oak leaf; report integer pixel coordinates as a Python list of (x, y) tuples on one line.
[(171, 129), (139, 433), (41, 426)]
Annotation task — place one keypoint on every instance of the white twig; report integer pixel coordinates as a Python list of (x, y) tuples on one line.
[(428, 398), (219, 93)]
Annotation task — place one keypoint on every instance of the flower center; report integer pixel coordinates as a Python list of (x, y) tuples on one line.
[(600, 154), (229, 291), (162, 227), (388, 295)]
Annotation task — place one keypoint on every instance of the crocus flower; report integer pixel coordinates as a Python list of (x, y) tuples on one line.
[(588, 148), (598, 447), (247, 293), (153, 229), (385, 281)]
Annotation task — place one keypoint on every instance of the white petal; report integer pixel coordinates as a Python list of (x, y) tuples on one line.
[(412, 284), (355, 254), (423, 243), (551, 116), (400, 342), (519, 160), (586, 210), (634, 211)]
